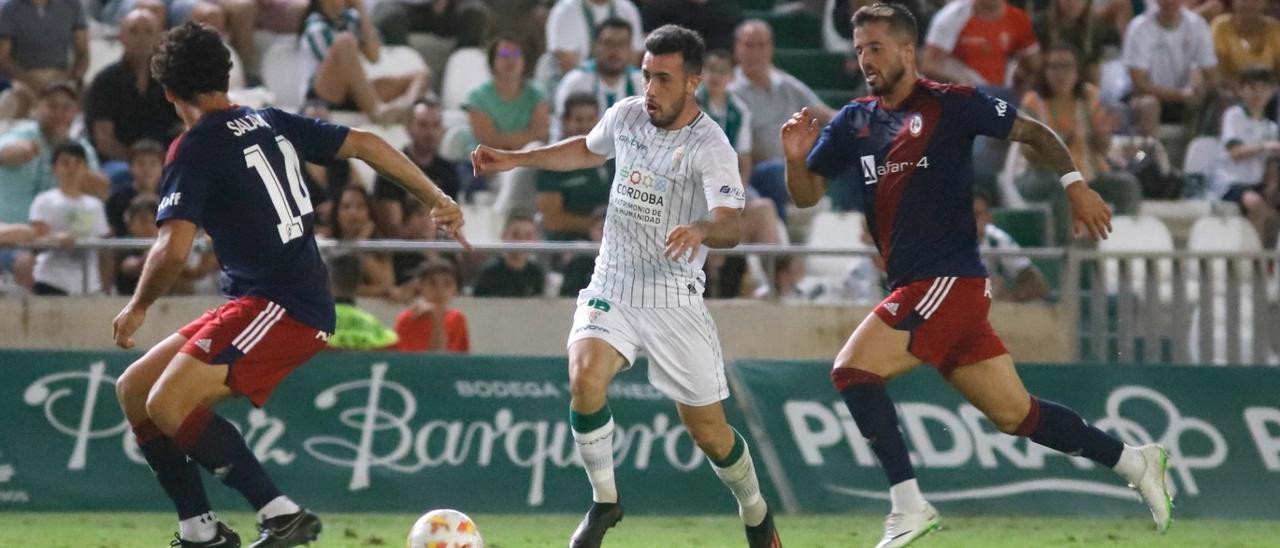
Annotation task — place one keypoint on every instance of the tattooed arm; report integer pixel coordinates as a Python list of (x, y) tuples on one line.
[(1088, 211)]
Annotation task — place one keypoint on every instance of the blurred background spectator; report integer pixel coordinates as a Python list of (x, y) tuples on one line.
[(1250, 141), (146, 165), (1170, 58), (326, 182), (353, 221), (466, 22), (513, 274), (508, 112), (567, 199), (1012, 278), (571, 29), (139, 217), (425, 128), (355, 329), (41, 42), (65, 214), (1243, 39), (579, 268), (336, 35), (610, 75), (972, 42), (726, 108), (430, 324), (1072, 22)]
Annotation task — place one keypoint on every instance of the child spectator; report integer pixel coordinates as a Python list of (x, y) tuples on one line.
[(66, 213), (354, 329), (513, 274), (1250, 140), (146, 165), (140, 222), (429, 324)]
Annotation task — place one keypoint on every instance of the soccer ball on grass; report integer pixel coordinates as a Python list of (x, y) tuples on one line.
[(444, 529)]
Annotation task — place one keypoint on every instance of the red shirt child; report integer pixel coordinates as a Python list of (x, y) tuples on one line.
[(429, 325)]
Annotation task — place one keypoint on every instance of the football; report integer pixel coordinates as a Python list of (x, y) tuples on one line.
[(444, 529)]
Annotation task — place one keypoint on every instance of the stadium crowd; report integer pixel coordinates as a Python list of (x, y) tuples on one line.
[(1128, 84)]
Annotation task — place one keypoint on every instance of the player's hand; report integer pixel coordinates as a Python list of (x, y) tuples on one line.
[(447, 216), (126, 323), (799, 134), (487, 160), (1088, 211), (682, 240)]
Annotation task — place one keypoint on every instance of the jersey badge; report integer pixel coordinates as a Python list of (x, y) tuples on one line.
[(677, 157), (892, 308), (916, 124)]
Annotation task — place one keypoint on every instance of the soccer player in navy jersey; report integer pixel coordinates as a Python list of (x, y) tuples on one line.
[(237, 173), (911, 141)]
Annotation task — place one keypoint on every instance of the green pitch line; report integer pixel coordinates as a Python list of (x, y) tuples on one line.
[(131, 530)]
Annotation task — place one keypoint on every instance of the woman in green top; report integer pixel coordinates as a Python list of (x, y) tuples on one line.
[(508, 112)]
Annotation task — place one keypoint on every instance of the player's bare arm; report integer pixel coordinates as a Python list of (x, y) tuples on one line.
[(724, 230), (567, 155), (1088, 211), (798, 137), (394, 165), (163, 266)]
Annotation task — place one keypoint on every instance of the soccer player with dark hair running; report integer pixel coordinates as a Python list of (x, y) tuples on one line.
[(676, 192), (237, 172), (912, 142)]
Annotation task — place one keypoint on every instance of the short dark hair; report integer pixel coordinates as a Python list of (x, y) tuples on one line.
[(580, 99), (344, 274), (611, 23), (677, 39), (60, 86), (142, 203), (720, 54), (518, 217), (146, 147), (433, 267), (897, 16), (192, 60), (1257, 75), (69, 148)]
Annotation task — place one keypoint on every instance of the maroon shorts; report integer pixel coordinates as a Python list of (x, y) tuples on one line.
[(257, 340), (947, 318)]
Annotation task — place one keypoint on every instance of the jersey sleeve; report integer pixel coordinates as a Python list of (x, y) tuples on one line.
[(317, 141), (720, 178), (41, 210), (1234, 122), (184, 188), (983, 114), (743, 143), (101, 228), (600, 140), (834, 152)]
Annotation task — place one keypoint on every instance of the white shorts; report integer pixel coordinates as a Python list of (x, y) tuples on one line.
[(685, 362)]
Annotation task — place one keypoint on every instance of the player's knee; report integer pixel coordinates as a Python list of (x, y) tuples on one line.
[(583, 385), (162, 411), (1013, 420), (714, 440), (844, 376)]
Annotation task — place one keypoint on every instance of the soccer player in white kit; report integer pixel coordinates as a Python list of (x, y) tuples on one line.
[(676, 192)]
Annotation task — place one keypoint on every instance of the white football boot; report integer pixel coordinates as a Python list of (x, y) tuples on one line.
[(903, 529), (1151, 485)]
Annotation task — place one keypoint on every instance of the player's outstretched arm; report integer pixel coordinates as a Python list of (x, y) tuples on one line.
[(568, 155), (397, 167), (1088, 211), (798, 137), (163, 266)]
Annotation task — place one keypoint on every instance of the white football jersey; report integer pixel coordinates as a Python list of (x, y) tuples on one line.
[(664, 179)]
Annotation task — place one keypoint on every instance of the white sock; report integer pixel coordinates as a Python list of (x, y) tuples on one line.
[(596, 449), (906, 497), (200, 528), (278, 506), (740, 478), (1131, 464)]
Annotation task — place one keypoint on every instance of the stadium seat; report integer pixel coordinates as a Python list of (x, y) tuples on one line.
[(394, 61), (1137, 234), (1202, 153), (831, 40), (484, 225), (833, 229), (466, 69), (456, 144), (282, 74), (1222, 234)]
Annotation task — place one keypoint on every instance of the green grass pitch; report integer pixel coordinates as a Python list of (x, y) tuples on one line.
[(130, 530)]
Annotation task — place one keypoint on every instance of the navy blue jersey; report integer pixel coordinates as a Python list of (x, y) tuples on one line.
[(238, 174), (916, 163)]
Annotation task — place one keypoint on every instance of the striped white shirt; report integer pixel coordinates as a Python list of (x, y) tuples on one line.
[(664, 179)]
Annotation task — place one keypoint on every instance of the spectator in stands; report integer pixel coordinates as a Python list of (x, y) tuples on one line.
[(15, 234), (425, 129), (772, 96), (430, 324), (353, 221), (972, 42), (146, 165), (325, 182), (464, 21), (66, 214), (354, 328), (140, 222), (41, 42), (1169, 54), (213, 16), (725, 107), (1072, 22), (787, 273), (609, 76), (714, 20), (1066, 103), (571, 29), (337, 33), (508, 112), (417, 226), (567, 199), (578, 271), (1243, 39), (124, 104), (1250, 141), (26, 159), (513, 274), (1012, 278)]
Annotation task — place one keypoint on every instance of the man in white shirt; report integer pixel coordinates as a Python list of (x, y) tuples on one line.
[(609, 77), (66, 214), (1169, 53), (571, 23)]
